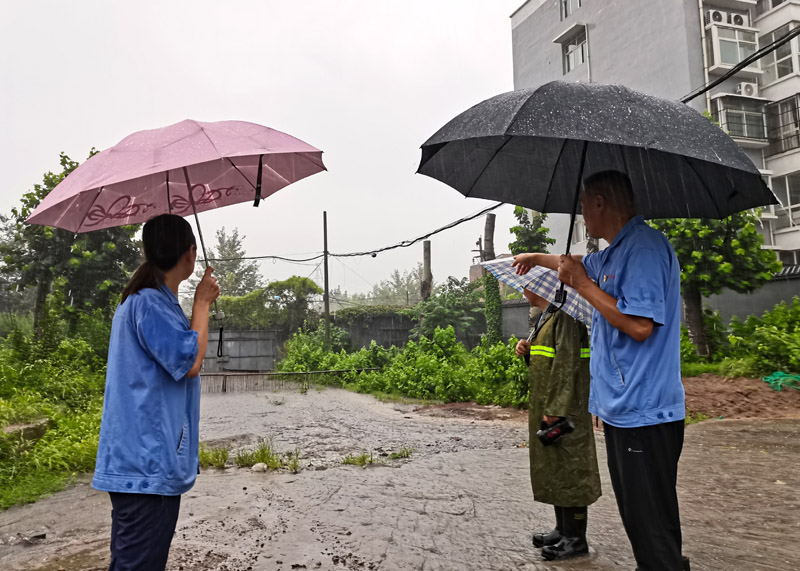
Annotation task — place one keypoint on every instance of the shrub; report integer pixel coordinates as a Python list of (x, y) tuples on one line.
[(768, 343), (436, 367)]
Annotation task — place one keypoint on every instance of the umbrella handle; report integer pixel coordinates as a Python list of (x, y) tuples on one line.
[(560, 297)]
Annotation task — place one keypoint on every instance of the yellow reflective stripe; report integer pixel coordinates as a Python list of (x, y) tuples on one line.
[(585, 353), (544, 349)]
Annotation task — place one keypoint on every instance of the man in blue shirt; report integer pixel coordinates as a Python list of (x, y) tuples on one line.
[(636, 388)]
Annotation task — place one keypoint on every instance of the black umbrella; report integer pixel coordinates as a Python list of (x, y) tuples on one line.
[(534, 147)]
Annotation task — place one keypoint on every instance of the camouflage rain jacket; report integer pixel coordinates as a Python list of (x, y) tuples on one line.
[(564, 474)]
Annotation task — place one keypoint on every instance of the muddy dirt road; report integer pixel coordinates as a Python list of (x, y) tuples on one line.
[(461, 501)]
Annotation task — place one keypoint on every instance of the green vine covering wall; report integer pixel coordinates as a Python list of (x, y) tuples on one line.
[(493, 309)]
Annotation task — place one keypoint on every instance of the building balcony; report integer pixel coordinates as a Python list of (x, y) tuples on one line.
[(727, 45), (732, 5), (742, 117)]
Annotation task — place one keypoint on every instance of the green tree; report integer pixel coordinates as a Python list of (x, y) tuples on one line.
[(400, 289), (95, 265), (454, 303), (285, 305), (289, 301), (530, 232), (713, 255), (236, 275)]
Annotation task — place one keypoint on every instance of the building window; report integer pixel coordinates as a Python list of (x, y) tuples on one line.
[(788, 258), (767, 5), (783, 130), (740, 117), (778, 63), (575, 51), (568, 7), (787, 189), (764, 227), (735, 45), (579, 233)]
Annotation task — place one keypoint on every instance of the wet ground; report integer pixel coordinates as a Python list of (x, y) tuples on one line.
[(460, 501)]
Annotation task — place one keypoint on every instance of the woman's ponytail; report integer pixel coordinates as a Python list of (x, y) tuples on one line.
[(146, 275)]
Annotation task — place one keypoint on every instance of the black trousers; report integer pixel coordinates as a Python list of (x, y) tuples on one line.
[(142, 526), (643, 463)]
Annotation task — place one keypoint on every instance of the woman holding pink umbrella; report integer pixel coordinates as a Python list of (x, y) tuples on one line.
[(148, 453)]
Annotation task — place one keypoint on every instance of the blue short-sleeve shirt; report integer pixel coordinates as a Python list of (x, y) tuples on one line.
[(637, 383), (149, 436)]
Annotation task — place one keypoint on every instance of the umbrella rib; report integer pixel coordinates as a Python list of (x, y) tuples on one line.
[(96, 196), (553, 174), (705, 186), (303, 154), (241, 173), (210, 140), (486, 166)]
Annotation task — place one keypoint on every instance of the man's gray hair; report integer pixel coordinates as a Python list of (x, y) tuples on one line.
[(614, 186)]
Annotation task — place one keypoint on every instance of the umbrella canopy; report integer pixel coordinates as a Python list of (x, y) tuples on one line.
[(544, 283), (534, 147), (149, 173)]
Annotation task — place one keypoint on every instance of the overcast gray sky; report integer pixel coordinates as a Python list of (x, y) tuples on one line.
[(365, 81)]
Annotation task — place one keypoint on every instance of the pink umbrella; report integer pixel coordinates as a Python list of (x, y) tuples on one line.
[(149, 173)]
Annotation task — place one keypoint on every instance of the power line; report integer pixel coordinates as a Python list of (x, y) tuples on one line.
[(407, 243), (317, 257), (755, 56), (348, 268), (402, 244)]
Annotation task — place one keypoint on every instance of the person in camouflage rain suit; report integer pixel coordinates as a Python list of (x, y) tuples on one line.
[(564, 474)]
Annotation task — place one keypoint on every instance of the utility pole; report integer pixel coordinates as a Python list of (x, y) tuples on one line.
[(488, 238), (492, 306), (426, 285), (326, 296)]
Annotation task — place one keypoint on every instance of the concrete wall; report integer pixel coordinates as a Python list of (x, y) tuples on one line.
[(243, 350), (386, 330), (730, 303), (649, 45), (515, 319)]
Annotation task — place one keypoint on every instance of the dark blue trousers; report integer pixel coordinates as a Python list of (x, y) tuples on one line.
[(142, 526), (643, 464)]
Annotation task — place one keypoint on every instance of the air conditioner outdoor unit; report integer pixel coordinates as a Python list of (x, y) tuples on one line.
[(716, 17), (740, 20), (747, 88)]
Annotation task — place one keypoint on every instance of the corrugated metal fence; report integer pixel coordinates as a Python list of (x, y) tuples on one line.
[(224, 382)]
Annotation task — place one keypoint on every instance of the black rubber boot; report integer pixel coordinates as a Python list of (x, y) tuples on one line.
[(573, 543), (552, 537)]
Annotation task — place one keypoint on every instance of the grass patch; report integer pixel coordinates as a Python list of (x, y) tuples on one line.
[(404, 452), (360, 459), (695, 417), (734, 367), (292, 462), (28, 488), (31, 469), (216, 457), (697, 369), (263, 453)]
